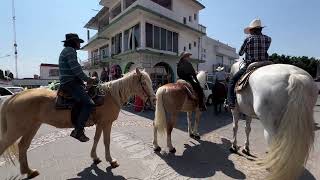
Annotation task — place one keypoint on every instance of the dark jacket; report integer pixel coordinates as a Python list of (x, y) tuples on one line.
[(185, 70)]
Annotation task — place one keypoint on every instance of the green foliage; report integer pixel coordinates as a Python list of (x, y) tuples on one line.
[(303, 62), (1, 74)]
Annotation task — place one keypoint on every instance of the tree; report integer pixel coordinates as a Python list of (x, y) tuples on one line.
[(1, 74), (303, 62)]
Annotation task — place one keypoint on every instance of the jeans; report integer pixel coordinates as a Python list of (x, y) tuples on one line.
[(86, 103), (232, 84)]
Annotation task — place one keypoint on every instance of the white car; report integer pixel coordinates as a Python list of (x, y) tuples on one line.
[(5, 91), (207, 89)]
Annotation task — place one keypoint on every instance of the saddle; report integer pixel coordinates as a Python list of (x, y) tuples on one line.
[(189, 89), (243, 81), (64, 100)]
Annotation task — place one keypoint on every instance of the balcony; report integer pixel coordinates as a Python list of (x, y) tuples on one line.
[(95, 62), (202, 28)]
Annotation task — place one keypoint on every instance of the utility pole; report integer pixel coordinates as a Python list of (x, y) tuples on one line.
[(15, 39)]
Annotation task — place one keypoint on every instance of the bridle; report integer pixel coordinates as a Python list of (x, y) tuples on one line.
[(145, 93)]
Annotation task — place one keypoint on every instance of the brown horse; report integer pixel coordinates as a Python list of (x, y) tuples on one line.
[(23, 114), (172, 99)]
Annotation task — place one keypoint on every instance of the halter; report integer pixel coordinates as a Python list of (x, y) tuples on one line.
[(144, 90)]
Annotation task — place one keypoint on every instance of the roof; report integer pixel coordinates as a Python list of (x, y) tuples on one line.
[(95, 19), (49, 65), (198, 3)]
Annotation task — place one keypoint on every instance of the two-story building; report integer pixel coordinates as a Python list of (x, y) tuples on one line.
[(149, 34)]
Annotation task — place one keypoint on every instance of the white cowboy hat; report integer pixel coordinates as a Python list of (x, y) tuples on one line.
[(185, 54), (256, 23), (220, 68)]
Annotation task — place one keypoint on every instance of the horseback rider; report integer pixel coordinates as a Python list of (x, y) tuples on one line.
[(186, 72), (71, 78), (255, 47), (221, 75)]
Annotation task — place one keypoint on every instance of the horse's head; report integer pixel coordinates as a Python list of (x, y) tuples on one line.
[(144, 86)]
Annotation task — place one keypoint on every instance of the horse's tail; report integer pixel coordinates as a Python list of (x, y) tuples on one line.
[(289, 150), (160, 121), (12, 151)]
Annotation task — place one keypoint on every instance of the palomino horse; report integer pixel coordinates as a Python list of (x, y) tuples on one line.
[(23, 114), (172, 99), (282, 97)]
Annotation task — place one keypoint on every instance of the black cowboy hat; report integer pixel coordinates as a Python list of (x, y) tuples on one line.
[(73, 36)]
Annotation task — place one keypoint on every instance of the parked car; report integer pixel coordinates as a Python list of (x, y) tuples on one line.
[(5, 91), (207, 89)]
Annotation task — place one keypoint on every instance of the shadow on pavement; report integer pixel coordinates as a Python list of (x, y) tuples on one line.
[(203, 161), (98, 174), (208, 123), (307, 175)]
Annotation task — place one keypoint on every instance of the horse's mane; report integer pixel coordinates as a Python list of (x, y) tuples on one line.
[(121, 89)]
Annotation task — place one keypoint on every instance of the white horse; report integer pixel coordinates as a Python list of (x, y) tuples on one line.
[(282, 97)]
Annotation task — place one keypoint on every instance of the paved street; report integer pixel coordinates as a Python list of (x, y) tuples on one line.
[(58, 156)]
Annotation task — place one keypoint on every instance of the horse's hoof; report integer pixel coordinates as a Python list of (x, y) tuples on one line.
[(233, 149), (97, 161), (157, 149), (32, 174), (246, 152), (197, 137), (114, 164), (173, 151)]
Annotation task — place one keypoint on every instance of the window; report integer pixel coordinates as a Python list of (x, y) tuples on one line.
[(195, 44), (164, 3), (184, 48), (127, 3), (190, 19), (156, 37), (104, 51), (169, 41), (184, 20), (195, 16), (190, 46), (115, 11), (149, 35), (161, 39), (132, 38), (4, 92), (175, 42), (219, 60), (116, 43), (53, 72)]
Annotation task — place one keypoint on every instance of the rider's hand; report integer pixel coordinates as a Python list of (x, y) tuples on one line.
[(92, 80)]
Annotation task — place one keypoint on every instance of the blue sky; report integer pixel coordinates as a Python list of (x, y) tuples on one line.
[(293, 25)]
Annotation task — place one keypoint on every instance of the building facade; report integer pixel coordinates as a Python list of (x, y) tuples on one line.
[(149, 34)]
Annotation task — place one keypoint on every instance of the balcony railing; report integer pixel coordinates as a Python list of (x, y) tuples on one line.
[(96, 61), (202, 28)]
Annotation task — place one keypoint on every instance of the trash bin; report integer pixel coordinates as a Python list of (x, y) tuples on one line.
[(138, 104)]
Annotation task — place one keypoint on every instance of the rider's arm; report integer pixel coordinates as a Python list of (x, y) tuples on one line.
[(75, 67), (243, 47)]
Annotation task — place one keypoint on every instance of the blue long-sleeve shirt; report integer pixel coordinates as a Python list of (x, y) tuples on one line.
[(69, 67)]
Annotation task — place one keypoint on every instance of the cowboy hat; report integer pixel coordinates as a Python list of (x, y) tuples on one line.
[(73, 36), (220, 68), (256, 23), (185, 54)]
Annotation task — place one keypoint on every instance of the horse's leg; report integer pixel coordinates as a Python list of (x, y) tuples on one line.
[(106, 137), (235, 116), (196, 124), (157, 148), (171, 124), (248, 130), (95, 158), (189, 117), (23, 147)]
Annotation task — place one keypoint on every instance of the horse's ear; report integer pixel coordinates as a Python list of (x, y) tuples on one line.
[(138, 71)]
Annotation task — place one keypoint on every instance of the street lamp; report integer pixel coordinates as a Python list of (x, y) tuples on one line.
[(15, 39)]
